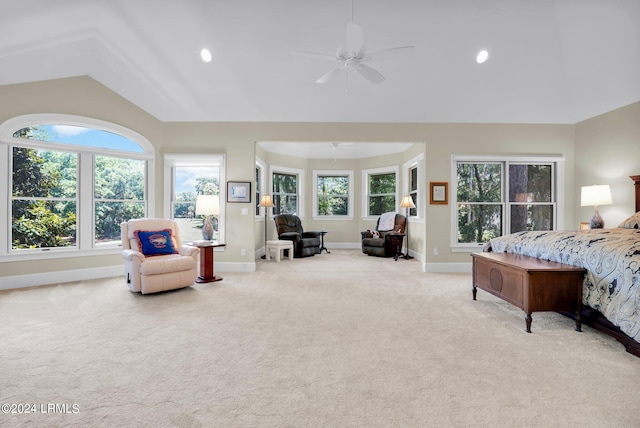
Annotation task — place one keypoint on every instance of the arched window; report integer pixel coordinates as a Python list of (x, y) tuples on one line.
[(73, 181)]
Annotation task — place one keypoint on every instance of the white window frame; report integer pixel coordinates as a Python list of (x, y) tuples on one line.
[(85, 245), (173, 160), (274, 169), (558, 173), (366, 173), (350, 198), (416, 162)]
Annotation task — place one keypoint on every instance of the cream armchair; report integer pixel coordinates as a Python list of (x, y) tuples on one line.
[(154, 257)]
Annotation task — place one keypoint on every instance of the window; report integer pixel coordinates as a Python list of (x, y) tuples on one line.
[(496, 197), (285, 185), (261, 187), (285, 193), (413, 176), (258, 188), (381, 191), (332, 194), (73, 181), (119, 190), (193, 175), (413, 190), (44, 198), (479, 199)]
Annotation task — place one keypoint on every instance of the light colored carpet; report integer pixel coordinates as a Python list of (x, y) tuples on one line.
[(336, 340)]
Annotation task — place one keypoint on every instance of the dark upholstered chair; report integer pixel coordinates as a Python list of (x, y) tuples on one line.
[(304, 243), (382, 246)]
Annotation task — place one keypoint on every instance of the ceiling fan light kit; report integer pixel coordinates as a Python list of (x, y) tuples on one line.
[(353, 56)]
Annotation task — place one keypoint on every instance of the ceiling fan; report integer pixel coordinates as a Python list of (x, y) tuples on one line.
[(354, 56)]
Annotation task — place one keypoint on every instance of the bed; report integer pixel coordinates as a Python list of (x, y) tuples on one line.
[(611, 286)]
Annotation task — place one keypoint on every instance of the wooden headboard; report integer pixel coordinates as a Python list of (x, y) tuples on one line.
[(636, 182)]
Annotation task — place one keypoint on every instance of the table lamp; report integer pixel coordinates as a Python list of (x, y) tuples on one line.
[(596, 195), (207, 205), (407, 203)]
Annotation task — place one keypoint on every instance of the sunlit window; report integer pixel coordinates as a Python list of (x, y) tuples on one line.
[(333, 194), (191, 176), (494, 198), (73, 181)]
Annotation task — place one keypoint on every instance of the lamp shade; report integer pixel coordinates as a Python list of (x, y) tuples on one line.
[(266, 201), (207, 205), (596, 195), (407, 202)]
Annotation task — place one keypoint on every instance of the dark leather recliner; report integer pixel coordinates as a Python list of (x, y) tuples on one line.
[(289, 228), (382, 246)]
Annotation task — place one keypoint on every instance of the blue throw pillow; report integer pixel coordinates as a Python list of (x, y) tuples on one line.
[(155, 243)]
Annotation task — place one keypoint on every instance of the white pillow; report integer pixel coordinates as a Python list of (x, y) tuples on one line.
[(632, 222)]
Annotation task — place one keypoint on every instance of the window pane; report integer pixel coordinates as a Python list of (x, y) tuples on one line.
[(531, 217), (382, 183), (413, 180), (337, 185), (530, 183), (43, 224), (382, 204), (44, 173), (78, 136), (285, 193), (333, 195), (119, 179), (479, 222), (479, 182), (119, 195), (258, 189), (285, 204), (109, 215), (334, 205), (285, 183), (191, 181), (413, 212), (51, 177)]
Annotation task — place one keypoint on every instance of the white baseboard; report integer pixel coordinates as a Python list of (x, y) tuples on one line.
[(48, 278), (243, 267), (343, 245), (60, 277)]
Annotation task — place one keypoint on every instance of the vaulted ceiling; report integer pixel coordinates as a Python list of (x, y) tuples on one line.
[(550, 61)]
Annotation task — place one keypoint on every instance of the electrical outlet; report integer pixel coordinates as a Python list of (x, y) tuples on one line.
[(243, 252), (435, 251), (244, 211)]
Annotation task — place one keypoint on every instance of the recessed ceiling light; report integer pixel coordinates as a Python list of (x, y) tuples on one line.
[(205, 54), (482, 56)]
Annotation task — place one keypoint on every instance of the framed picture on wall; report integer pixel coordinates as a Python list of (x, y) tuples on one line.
[(239, 191), (438, 192)]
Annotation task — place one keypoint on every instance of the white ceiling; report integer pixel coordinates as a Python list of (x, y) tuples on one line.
[(551, 61)]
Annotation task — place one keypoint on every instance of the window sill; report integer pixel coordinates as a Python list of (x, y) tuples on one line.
[(57, 253)]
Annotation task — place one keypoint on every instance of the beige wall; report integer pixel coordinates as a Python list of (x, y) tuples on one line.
[(82, 96), (340, 231), (607, 148), (79, 96)]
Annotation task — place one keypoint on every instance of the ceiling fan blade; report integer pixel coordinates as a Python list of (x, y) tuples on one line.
[(314, 55), (354, 38), (330, 75), (392, 53), (369, 73)]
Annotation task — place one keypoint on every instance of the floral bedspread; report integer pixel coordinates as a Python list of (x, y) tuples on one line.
[(610, 256)]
